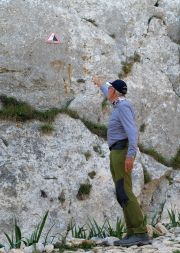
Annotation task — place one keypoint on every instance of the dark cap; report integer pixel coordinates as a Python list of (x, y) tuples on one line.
[(120, 86)]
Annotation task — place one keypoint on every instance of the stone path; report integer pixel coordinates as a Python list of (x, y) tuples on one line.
[(164, 244)]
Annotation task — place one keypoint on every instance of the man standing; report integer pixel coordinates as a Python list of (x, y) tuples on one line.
[(122, 140)]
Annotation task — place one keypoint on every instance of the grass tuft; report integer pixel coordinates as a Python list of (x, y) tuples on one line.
[(80, 80), (112, 35), (158, 157), (147, 177), (142, 127), (84, 191), (92, 174), (127, 66), (61, 197), (175, 161), (21, 111), (100, 130), (174, 219), (87, 155), (46, 128), (104, 103)]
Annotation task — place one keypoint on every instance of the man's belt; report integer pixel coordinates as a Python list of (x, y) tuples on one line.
[(119, 144)]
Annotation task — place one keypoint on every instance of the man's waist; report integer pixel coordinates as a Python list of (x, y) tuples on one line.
[(120, 144)]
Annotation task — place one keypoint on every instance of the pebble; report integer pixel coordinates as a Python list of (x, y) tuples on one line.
[(28, 249), (15, 251), (161, 228), (168, 243), (49, 248), (177, 238), (2, 250)]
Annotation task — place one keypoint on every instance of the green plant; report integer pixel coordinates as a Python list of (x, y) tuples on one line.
[(78, 231), (80, 80), (154, 220), (170, 179), (98, 150), (147, 177), (175, 161), (96, 230), (158, 157), (15, 239), (69, 112), (84, 191), (100, 130), (104, 103), (63, 247), (47, 116), (87, 155), (21, 111), (47, 236), (87, 245), (176, 251), (61, 197), (112, 35), (35, 236), (93, 229), (136, 57), (173, 220), (126, 69), (127, 66), (46, 128), (1, 246), (92, 174), (119, 229), (142, 127)]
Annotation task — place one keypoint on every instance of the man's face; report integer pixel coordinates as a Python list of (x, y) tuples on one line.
[(111, 94)]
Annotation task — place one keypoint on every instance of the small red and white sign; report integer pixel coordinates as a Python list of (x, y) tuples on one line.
[(53, 38)]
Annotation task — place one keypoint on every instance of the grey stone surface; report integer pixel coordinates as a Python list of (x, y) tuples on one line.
[(39, 172), (96, 38)]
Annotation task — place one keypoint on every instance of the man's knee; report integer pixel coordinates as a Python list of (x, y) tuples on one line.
[(121, 195)]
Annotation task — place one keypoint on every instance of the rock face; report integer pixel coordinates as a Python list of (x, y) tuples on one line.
[(96, 38), (44, 172), (41, 173), (135, 40)]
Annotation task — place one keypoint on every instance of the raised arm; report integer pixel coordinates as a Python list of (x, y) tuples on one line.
[(102, 85)]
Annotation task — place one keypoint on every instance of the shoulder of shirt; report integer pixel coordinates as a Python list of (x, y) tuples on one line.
[(124, 103)]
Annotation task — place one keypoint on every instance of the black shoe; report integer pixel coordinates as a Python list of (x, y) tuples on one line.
[(136, 239)]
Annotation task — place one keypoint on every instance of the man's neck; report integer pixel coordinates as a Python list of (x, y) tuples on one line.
[(119, 98)]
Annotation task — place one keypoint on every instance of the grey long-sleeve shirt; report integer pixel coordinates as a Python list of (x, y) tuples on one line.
[(122, 124)]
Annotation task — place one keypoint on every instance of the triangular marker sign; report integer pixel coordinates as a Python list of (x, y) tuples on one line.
[(53, 38)]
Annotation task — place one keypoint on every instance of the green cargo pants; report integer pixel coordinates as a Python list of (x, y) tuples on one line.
[(132, 212)]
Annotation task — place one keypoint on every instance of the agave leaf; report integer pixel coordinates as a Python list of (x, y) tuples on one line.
[(41, 226), (11, 243), (17, 235), (47, 234)]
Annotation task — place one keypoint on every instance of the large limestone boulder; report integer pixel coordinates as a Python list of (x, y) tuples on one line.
[(44, 172), (96, 38)]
